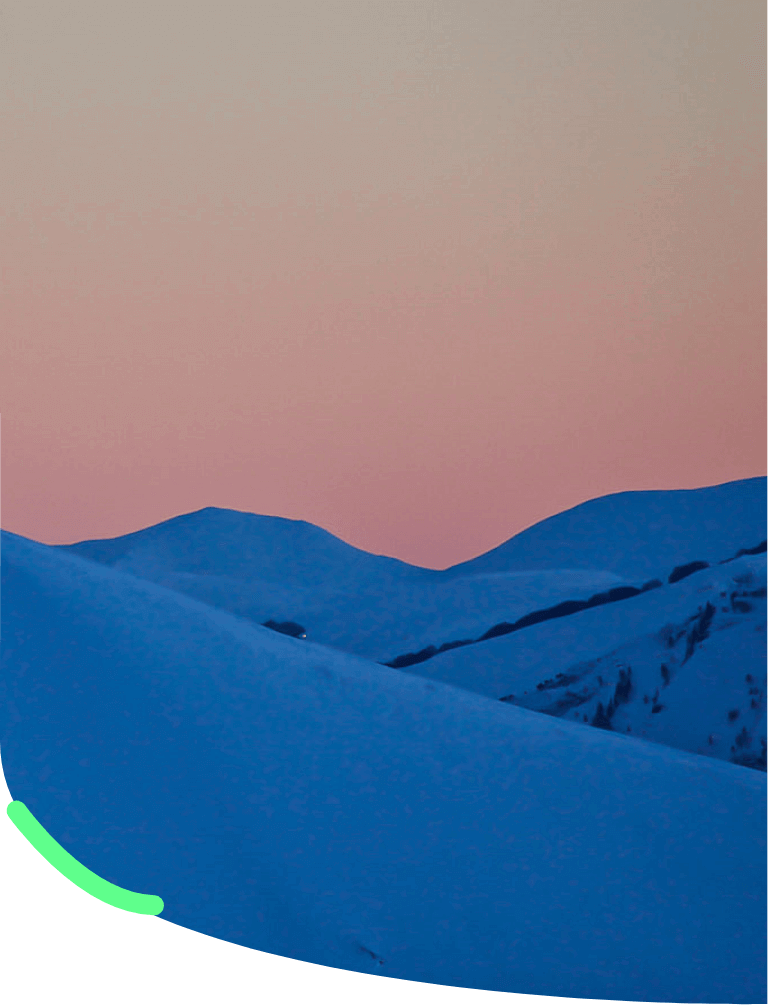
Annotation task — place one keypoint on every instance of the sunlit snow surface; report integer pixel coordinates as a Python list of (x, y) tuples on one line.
[(290, 797)]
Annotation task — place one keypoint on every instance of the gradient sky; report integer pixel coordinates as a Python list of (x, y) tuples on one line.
[(422, 273)]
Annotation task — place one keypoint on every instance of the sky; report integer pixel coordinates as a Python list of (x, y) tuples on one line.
[(420, 273), (295, 798)]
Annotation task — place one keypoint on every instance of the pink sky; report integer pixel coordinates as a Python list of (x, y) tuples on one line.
[(420, 274)]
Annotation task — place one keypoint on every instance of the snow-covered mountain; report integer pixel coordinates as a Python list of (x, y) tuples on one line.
[(243, 546), (309, 803), (267, 568), (637, 535), (682, 665)]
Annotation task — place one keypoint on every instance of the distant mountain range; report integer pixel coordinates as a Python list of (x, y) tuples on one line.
[(530, 812)]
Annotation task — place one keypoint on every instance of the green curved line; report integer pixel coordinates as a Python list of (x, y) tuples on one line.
[(51, 850)]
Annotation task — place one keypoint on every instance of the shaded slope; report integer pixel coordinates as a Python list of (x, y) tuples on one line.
[(670, 664), (270, 569), (563, 609), (698, 683), (378, 617), (304, 803), (637, 535), (241, 546)]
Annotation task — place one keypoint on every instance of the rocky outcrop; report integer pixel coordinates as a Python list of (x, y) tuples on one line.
[(291, 628)]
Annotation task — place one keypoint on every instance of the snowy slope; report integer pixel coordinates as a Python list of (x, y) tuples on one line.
[(637, 535), (708, 632), (267, 568), (263, 568), (380, 620), (308, 803), (244, 546)]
